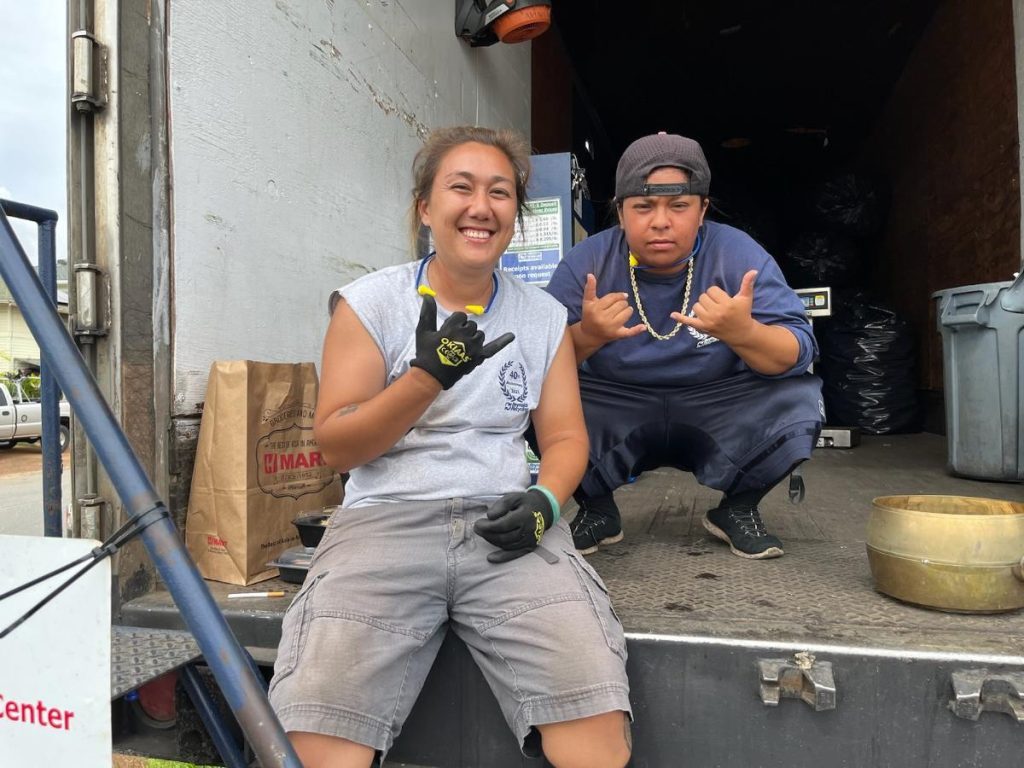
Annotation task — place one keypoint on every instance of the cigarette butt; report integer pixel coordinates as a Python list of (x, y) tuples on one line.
[(256, 594)]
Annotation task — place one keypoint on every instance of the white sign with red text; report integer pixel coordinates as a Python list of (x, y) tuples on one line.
[(55, 667)]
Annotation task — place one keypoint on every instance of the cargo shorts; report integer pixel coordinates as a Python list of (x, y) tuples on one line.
[(385, 584)]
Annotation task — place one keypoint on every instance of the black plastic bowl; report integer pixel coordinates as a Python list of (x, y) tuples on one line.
[(311, 527)]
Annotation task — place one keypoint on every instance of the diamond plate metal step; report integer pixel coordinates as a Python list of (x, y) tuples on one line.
[(139, 655)]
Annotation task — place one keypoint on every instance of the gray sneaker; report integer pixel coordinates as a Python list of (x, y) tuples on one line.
[(744, 532)]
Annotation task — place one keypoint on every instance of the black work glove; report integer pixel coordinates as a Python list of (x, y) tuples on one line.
[(450, 352), (515, 523)]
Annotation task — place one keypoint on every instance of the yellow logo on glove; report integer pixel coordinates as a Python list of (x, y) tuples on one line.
[(538, 528), (452, 353)]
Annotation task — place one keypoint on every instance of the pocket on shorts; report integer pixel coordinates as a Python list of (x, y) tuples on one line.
[(600, 602), (295, 630)]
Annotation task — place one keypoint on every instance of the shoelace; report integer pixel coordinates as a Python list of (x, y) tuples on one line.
[(749, 521), (587, 522)]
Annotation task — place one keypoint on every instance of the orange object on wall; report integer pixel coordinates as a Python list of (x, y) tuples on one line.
[(523, 24)]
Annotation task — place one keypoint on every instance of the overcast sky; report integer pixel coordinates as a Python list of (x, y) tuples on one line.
[(33, 113)]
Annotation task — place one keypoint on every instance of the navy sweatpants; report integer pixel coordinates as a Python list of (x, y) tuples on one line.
[(738, 434)]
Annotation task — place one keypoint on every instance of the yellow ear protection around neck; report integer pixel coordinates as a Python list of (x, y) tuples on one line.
[(426, 290)]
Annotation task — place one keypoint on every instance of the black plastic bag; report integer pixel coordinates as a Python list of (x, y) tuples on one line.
[(867, 366), (817, 259), (849, 203)]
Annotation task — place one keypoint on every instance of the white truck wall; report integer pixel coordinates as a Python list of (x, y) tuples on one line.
[(293, 125)]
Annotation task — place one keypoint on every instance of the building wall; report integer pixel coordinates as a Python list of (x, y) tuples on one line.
[(947, 143), (16, 340), (293, 127)]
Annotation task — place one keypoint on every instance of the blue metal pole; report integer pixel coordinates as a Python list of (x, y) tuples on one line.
[(52, 466), (50, 393), (241, 687), (209, 714)]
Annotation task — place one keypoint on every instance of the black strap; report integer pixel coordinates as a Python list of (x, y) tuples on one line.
[(673, 190), (122, 536), (797, 489), (768, 451)]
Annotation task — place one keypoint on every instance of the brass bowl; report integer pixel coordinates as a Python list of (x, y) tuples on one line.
[(954, 553)]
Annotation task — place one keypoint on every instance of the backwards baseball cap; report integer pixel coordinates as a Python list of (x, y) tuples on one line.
[(659, 151)]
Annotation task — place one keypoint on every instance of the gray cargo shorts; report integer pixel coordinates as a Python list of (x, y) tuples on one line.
[(385, 584)]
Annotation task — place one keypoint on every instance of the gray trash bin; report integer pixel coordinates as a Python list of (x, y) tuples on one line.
[(982, 329)]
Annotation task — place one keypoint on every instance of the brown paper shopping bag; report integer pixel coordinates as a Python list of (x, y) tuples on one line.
[(257, 467)]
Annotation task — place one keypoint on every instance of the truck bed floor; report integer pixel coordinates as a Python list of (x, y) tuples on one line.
[(670, 577)]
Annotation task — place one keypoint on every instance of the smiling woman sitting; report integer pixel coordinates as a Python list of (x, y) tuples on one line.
[(431, 373)]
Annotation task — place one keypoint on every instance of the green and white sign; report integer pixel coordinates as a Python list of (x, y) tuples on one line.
[(536, 248)]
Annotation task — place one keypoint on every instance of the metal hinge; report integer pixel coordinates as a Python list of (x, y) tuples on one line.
[(978, 690), (801, 677), (92, 315), (88, 72), (92, 515)]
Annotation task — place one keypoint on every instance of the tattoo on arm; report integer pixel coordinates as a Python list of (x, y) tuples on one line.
[(346, 411)]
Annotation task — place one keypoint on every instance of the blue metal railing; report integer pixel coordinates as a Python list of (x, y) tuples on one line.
[(50, 392), (242, 687)]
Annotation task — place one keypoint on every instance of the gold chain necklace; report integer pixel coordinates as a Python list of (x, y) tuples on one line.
[(643, 315)]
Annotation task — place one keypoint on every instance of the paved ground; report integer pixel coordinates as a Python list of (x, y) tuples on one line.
[(21, 489), (22, 458)]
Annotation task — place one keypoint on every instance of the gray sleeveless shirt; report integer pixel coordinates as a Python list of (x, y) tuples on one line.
[(469, 442)]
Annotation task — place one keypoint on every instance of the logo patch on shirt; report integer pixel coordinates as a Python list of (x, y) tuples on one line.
[(512, 380), (703, 339)]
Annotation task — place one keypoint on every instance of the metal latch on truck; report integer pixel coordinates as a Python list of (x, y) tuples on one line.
[(978, 690), (802, 677)]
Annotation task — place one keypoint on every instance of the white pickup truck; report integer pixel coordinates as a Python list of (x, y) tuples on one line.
[(21, 418)]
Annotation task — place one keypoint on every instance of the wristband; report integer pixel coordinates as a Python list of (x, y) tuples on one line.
[(556, 511)]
